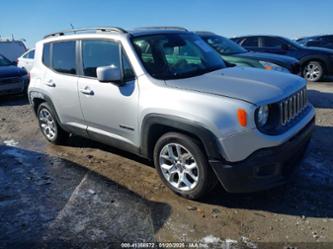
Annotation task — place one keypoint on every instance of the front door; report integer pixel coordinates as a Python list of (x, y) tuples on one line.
[(109, 110)]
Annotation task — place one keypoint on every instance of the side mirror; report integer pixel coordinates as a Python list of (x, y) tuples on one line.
[(109, 74)]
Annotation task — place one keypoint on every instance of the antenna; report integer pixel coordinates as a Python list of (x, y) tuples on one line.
[(72, 26)]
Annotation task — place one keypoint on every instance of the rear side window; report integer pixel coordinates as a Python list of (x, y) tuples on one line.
[(46, 55), (97, 53), (250, 42), (31, 54), (63, 57), (270, 42)]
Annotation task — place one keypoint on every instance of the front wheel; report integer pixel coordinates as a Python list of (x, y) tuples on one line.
[(182, 165), (313, 71)]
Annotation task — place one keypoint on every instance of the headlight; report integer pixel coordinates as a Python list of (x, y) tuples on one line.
[(271, 66), (262, 115)]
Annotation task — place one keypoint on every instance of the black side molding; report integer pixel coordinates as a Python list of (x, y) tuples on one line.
[(152, 124)]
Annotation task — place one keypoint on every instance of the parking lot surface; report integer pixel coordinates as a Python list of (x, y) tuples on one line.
[(87, 193)]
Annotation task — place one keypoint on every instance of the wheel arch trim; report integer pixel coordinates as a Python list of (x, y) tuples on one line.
[(175, 123)]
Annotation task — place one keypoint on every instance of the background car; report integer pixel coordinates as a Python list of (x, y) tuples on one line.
[(323, 41), (234, 53), (26, 60), (12, 78), (12, 49), (315, 62)]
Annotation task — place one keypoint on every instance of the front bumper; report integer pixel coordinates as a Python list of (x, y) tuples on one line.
[(265, 168)]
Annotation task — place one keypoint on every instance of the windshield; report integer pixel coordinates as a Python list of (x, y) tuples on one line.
[(223, 45), (4, 61), (176, 56)]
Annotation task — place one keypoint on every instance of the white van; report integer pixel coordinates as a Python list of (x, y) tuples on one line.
[(12, 49)]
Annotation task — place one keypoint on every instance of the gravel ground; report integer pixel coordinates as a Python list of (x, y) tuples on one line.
[(87, 195)]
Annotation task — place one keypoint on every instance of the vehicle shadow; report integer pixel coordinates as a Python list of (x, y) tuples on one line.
[(77, 141), (14, 100), (320, 99), (49, 201), (308, 193)]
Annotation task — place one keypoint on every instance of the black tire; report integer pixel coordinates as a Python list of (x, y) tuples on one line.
[(313, 71), (207, 178), (60, 135)]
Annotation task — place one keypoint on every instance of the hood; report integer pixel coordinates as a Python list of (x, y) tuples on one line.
[(281, 60), (252, 85), (11, 71)]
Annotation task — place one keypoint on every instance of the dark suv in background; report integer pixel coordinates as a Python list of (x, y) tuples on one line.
[(315, 62), (233, 53), (323, 41)]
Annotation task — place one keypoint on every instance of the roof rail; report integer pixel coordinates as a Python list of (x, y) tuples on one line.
[(165, 28), (87, 30)]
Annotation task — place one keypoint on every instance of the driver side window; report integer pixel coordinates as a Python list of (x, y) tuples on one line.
[(97, 53)]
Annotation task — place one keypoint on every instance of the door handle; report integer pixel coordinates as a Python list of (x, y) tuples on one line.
[(87, 91), (50, 83)]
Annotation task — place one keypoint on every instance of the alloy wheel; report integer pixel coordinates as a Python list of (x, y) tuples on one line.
[(179, 167), (47, 124), (312, 71)]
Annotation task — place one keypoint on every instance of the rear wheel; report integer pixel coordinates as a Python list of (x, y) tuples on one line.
[(313, 71), (182, 165), (49, 125)]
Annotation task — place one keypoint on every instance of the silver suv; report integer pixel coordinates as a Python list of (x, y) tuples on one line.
[(164, 94)]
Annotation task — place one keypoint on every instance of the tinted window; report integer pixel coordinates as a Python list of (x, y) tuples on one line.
[(63, 60), (99, 53), (46, 55), (270, 42), (127, 68), (31, 54), (327, 38), (4, 61), (250, 42), (224, 45)]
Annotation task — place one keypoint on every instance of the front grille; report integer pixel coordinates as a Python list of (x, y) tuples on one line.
[(11, 80), (292, 107)]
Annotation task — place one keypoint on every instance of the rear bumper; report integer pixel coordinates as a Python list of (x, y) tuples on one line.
[(265, 168)]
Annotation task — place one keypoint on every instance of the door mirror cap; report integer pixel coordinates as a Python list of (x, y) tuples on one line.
[(109, 74)]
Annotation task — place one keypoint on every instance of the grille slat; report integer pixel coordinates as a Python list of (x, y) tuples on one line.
[(292, 106)]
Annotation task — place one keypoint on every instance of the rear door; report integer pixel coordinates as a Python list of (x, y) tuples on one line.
[(110, 110), (61, 83)]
